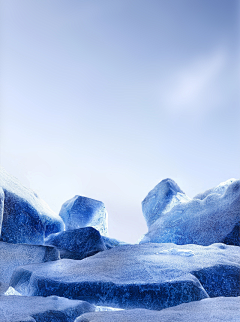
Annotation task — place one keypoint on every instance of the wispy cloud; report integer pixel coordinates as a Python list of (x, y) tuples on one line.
[(195, 84)]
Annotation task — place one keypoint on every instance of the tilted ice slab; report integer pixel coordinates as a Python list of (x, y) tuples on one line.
[(41, 309), (153, 276), (77, 243), (14, 255), (26, 217), (80, 212), (211, 217), (219, 309)]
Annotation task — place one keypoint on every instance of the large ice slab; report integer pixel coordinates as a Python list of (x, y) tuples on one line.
[(211, 310), (153, 276), (211, 217), (14, 255), (80, 212), (26, 217), (77, 243), (41, 309)]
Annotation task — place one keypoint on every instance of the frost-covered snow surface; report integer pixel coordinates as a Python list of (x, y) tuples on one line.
[(219, 309), (77, 243), (211, 217), (40, 309), (14, 255), (26, 217), (80, 212), (152, 276)]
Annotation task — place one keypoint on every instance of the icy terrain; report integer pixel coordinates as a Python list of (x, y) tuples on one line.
[(26, 217), (219, 309), (191, 273), (149, 276), (14, 255), (211, 217), (40, 309)]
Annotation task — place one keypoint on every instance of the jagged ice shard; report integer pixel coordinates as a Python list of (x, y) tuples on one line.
[(80, 212), (211, 217), (26, 218)]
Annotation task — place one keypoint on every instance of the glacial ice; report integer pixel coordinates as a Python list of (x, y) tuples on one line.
[(14, 255), (221, 309), (112, 242), (39, 309), (178, 252), (1, 207), (77, 243), (137, 276), (12, 291), (26, 217), (161, 199), (220, 189), (80, 212), (211, 217), (185, 280)]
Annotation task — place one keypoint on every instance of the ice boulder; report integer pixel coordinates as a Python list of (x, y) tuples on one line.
[(80, 212), (161, 199), (151, 276), (41, 309), (14, 255), (26, 217), (77, 243), (211, 310), (211, 217)]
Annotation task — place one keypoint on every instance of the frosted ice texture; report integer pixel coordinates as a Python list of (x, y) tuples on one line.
[(152, 276), (77, 243), (1, 207), (162, 199), (14, 255), (12, 291), (26, 217), (220, 189), (40, 309), (112, 242), (210, 217), (80, 212), (219, 309)]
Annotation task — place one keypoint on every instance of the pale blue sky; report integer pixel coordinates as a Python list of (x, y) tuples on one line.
[(107, 98)]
